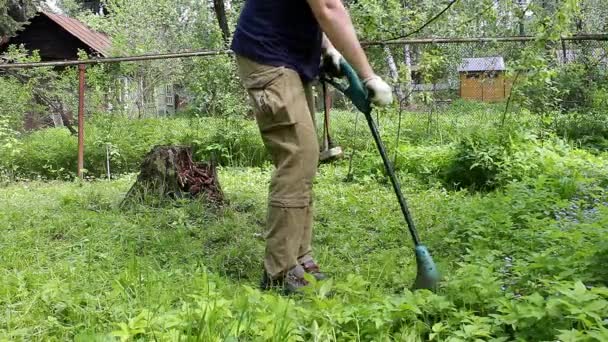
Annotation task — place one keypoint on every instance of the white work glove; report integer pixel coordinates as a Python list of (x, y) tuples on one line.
[(380, 92), (330, 62)]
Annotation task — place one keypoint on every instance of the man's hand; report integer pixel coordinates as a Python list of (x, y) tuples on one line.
[(380, 92), (337, 25), (335, 22), (330, 62)]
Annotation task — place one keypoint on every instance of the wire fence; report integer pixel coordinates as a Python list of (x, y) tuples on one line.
[(473, 79), (442, 84)]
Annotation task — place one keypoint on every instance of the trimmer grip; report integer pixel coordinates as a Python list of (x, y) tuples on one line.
[(356, 90)]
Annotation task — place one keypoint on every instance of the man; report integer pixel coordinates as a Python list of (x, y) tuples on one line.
[(279, 44)]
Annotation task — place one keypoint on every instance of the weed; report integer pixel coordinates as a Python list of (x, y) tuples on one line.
[(523, 259)]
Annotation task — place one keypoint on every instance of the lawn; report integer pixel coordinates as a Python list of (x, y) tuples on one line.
[(522, 255)]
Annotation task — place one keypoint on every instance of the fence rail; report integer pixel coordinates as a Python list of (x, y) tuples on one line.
[(579, 37), (150, 57), (212, 53)]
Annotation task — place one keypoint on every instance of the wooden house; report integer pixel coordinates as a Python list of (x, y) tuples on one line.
[(483, 79), (58, 37)]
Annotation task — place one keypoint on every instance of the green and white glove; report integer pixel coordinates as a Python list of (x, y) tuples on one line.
[(380, 92)]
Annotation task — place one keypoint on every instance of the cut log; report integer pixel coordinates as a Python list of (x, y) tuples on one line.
[(168, 172)]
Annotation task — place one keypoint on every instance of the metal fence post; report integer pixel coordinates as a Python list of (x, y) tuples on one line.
[(81, 74)]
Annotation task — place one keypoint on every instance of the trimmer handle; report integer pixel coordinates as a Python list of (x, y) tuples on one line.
[(355, 90)]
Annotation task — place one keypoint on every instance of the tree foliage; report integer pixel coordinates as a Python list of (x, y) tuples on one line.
[(13, 13), (146, 26)]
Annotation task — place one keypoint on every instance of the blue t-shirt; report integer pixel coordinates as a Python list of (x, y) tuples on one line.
[(280, 33)]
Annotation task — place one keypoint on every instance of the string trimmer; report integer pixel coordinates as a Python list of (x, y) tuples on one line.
[(427, 276)]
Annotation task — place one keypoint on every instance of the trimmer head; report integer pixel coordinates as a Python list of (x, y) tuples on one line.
[(427, 276), (331, 154)]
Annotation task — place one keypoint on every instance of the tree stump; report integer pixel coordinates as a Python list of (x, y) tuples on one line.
[(168, 172)]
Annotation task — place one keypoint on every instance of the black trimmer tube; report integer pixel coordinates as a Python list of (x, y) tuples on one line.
[(427, 276), (388, 166)]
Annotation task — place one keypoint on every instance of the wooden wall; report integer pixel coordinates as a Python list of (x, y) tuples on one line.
[(480, 86)]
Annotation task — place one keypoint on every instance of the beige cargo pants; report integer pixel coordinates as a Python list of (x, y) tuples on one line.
[(284, 111)]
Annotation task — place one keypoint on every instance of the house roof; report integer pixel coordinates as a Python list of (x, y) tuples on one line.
[(482, 64), (97, 41)]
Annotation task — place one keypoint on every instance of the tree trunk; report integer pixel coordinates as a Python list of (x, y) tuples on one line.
[(408, 87), (222, 19), (168, 172), (394, 73)]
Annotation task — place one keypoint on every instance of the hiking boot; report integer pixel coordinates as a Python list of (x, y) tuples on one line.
[(313, 269), (291, 283)]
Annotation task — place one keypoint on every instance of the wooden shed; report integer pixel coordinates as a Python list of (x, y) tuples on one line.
[(484, 79)]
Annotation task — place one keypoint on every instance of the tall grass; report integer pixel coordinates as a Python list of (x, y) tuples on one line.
[(521, 259), (51, 153)]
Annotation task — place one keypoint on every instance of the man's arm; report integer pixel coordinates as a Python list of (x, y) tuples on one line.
[(338, 27)]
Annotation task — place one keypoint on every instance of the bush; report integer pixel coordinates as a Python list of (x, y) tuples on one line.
[(14, 102), (601, 258), (588, 129), (570, 100), (49, 153), (52, 153), (584, 118), (215, 87), (480, 159), (429, 162), (235, 142), (580, 86)]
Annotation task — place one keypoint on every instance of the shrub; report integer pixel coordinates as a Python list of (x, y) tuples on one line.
[(49, 153), (589, 129), (52, 153), (479, 160), (600, 258), (235, 142), (14, 102)]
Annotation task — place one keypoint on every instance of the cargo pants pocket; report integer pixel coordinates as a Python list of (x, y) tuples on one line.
[(267, 89)]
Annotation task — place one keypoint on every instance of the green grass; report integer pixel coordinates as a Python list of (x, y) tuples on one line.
[(49, 154), (67, 247), (75, 267), (523, 259)]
